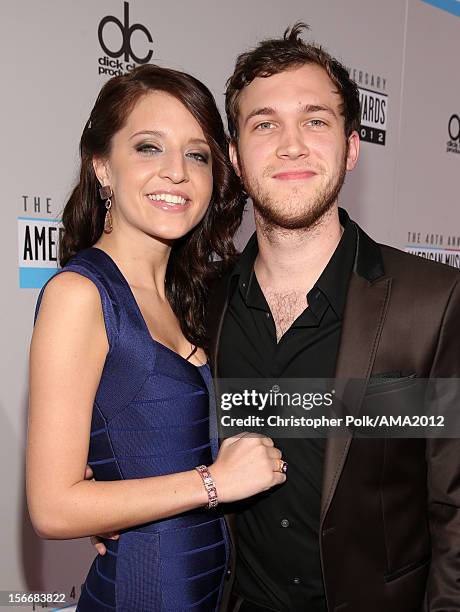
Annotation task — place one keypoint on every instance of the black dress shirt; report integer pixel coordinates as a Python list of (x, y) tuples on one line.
[(278, 559)]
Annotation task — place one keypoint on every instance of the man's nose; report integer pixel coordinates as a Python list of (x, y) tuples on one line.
[(292, 144)]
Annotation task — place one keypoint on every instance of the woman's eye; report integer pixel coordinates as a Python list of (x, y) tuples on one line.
[(200, 157), (147, 148)]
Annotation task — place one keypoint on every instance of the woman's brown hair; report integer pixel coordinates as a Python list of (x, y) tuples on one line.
[(190, 267)]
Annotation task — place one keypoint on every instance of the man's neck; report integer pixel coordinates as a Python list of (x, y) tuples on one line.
[(295, 259)]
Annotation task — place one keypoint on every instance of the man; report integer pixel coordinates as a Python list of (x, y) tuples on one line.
[(361, 525)]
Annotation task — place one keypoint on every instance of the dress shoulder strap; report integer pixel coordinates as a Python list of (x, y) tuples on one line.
[(132, 355)]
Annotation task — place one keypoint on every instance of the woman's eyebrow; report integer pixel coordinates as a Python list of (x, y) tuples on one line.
[(155, 133)]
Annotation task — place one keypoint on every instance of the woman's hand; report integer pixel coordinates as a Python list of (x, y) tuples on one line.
[(246, 464)]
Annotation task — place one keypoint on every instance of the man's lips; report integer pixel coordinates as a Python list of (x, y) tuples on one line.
[(294, 175)]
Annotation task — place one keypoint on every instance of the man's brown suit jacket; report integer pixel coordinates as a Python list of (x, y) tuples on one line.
[(390, 509)]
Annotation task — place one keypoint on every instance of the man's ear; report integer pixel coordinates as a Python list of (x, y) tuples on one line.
[(353, 150), (101, 171), (233, 153)]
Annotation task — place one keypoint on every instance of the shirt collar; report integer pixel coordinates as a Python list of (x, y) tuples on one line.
[(247, 282), (332, 283)]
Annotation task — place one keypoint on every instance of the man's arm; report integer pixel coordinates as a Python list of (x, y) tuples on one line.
[(443, 459)]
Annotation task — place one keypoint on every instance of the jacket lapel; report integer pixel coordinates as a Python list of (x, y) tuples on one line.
[(365, 310)]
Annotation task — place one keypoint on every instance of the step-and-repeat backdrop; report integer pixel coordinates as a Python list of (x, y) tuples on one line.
[(403, 55)]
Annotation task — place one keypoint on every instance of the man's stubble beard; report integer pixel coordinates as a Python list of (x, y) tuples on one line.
[(272, 214)]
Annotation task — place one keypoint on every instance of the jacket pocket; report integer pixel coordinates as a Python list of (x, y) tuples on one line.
[(407, 569), (388, 380)]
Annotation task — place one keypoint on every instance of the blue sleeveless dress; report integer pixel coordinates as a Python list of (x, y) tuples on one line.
[(151, 417)]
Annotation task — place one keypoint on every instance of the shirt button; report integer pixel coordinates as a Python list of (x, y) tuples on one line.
[(296, 581), (285, 523), (268, 315)]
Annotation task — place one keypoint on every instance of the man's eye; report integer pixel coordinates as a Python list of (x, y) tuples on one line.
[(265, 125), (316, 122)]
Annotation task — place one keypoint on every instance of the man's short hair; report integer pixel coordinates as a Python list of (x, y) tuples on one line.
[(276, 55)]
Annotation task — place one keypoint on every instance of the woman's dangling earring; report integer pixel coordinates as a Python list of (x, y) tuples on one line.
[(106, 194)]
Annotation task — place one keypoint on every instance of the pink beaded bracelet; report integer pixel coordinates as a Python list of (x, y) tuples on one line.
[(208, 485)]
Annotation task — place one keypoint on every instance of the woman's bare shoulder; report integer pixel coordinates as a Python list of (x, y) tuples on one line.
[(69, 295)]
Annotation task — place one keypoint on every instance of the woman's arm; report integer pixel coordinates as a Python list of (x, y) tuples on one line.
[(68, 350)]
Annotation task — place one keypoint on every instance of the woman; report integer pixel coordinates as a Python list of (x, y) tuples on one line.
[(118, 371)]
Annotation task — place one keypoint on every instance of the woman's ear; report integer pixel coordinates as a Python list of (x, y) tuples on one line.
[(101, 170)]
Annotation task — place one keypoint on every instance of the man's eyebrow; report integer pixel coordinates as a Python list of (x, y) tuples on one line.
[(316, 108), (264, 110), (267, 111)]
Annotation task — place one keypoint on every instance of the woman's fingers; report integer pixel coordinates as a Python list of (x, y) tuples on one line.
[(280, 466), (274, 453), (279, 478), (267, 441)]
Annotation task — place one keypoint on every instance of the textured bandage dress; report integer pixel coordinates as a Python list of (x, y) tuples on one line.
[(151, 417)]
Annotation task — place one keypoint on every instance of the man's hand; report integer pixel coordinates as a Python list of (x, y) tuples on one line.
[(96, 541)]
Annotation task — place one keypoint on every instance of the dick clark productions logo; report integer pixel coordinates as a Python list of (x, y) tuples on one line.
[(115, 66)]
